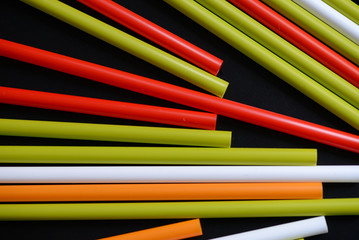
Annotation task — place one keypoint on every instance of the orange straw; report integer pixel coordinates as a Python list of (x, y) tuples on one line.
[(179, 230), (153, 192)]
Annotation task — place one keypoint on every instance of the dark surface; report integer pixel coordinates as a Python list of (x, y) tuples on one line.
[(249, 83)]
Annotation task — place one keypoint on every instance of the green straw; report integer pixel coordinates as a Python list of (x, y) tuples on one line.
[(132, 45), (177, 210), (284, 49), (157, 155), (346, 7), (269, 60), (317, 28), (115, 133)]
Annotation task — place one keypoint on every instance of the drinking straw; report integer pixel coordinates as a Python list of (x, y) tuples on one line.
[(293, 230), (179, 210), (115, 133), (284, 50), (269, 60), (132, 45), (347, 7), (156, 34), (159, 192), (107, 108), (187, 97), (317, 28), (300, 39), (180, 230), (332, 17), (157, 155), (178, 174)]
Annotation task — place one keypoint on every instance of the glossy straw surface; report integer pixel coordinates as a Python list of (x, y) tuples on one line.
[(178, 174), (156, 34), (347, 7), (115, 133), (158, 192), (179, 210), (300, 39), (108, 108), (317, 28), (180, 230), (132, 45), (269, 60), (157, 155)]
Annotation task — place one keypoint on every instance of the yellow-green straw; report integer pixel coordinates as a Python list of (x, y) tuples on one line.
[(346, 7)]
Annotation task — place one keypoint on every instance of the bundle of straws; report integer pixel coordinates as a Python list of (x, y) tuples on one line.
[(191, 171)]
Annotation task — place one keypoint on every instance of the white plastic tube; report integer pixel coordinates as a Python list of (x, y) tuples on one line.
[(164, 174), (332, 17), (288, 231)]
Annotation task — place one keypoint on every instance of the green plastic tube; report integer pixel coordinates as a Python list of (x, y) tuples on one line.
[(317, 28), (284, 49), (269, 60), (132, 45), (157, 155), (346, 7), (177, 210), (115, 133)]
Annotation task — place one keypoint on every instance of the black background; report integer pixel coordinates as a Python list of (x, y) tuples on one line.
[(249, 83)]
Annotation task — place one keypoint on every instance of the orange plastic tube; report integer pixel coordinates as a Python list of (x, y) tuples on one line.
[(159, 192), (173, 231)]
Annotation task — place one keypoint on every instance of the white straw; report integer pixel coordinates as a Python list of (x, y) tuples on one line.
[(332, 17), (293, 230), (161, 174)]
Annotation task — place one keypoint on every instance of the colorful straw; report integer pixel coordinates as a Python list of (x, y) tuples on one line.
[(159, 192), (157, 155), (115, 133), (178, 174), (317, 28), (347, 7), (184, 96), (300, 39), (179, 210), (181, 230), (304, 228), (156, 34), (107, 108), (269, 60), (132, 45), (332, 17)]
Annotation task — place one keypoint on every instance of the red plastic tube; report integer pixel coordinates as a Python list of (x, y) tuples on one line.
[(107, 108), (181, 95), (156, 34), (300, 39)]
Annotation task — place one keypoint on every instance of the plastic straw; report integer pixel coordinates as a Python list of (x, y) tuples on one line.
[(132, 45), (184, 96), (304, 228), (156, 34), (115, 133), (107, 108), (181, 230), (347, 7), (157, 155), (300, 39), (285, 50), (332, 17), (178, 174), (269, 60), (317, 28), (179, 210), (159, 192)]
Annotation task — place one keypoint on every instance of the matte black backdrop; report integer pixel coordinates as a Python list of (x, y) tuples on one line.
[(249, 83)]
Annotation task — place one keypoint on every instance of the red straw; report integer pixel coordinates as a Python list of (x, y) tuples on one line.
[(156, 34), (107, 108), (300, 39), (181, 95)]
